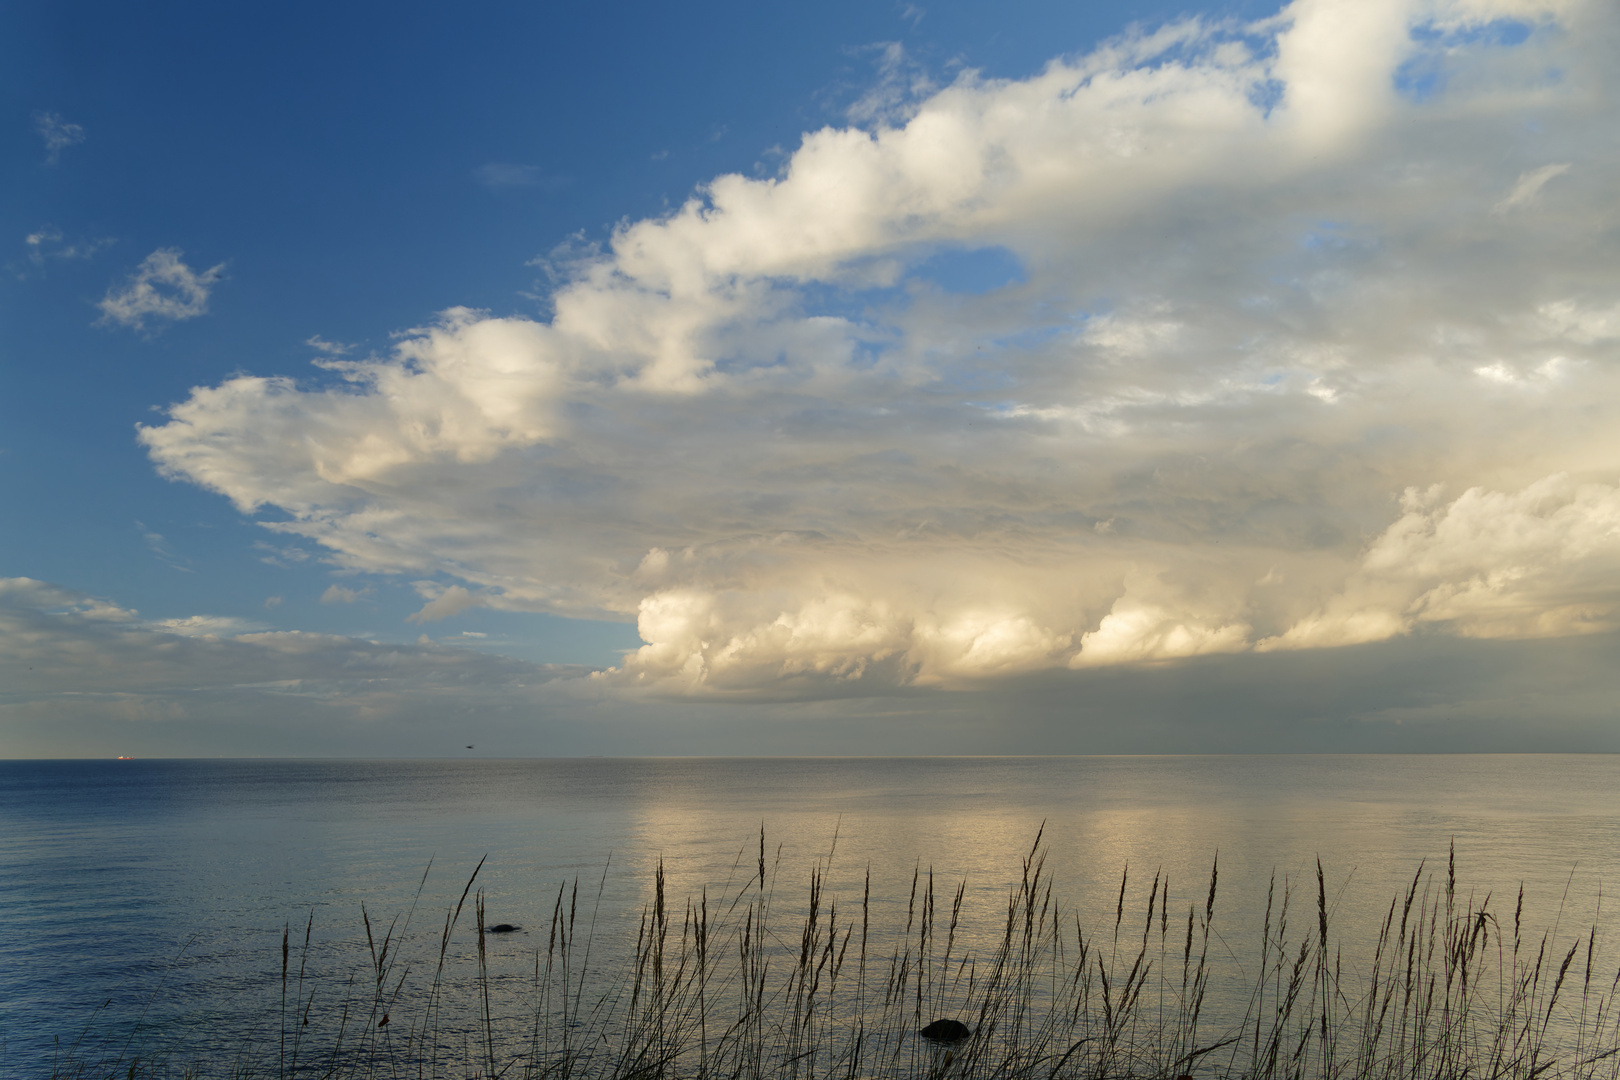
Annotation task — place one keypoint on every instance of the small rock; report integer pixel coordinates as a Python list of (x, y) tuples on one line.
[(502, 928), (946, 1031)]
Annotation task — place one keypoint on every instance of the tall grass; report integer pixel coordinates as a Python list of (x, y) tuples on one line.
[(726, 987)]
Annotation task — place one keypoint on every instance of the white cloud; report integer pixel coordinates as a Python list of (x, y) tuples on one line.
[(162, 287), (1337, 61), (57, 133), (40, 240), (28, 594), (205, 626), (1134, 631), (443, 602), (337, 594), (1263, 291), (1540, 562), (327, 348)]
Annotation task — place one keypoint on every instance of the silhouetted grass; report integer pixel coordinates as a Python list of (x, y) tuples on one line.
[(724, 988)]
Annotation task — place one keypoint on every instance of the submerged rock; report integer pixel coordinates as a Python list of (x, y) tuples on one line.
[(502, 928)]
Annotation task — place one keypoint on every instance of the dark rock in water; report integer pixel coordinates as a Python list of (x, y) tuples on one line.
[(502, 928), (946, 1031)]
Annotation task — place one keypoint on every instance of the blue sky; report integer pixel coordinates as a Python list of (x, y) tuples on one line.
[(731, 378), (358, 171)]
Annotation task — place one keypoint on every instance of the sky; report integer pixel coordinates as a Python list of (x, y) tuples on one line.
[(850, 378)]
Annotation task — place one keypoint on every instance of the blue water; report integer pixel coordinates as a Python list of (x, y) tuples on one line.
[(148, 898)]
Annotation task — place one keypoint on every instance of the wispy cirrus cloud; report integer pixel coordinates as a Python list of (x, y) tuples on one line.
[(339, 594), (46, 244), (1264, 286), (57, 133), (332, 349), (160, 546), (205, 626), (901, 86), (1529, 186), (504, 175), (163, 288)]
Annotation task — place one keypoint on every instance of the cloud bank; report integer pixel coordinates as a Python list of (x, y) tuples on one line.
[(82, 676), (1310, 341), (78, 668)]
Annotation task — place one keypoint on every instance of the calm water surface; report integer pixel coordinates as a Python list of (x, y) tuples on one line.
[(158, 890)]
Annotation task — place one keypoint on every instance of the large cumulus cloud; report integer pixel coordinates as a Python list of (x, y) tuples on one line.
[(1311, 342)]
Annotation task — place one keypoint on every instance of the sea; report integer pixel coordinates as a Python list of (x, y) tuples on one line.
[(144, 904)]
